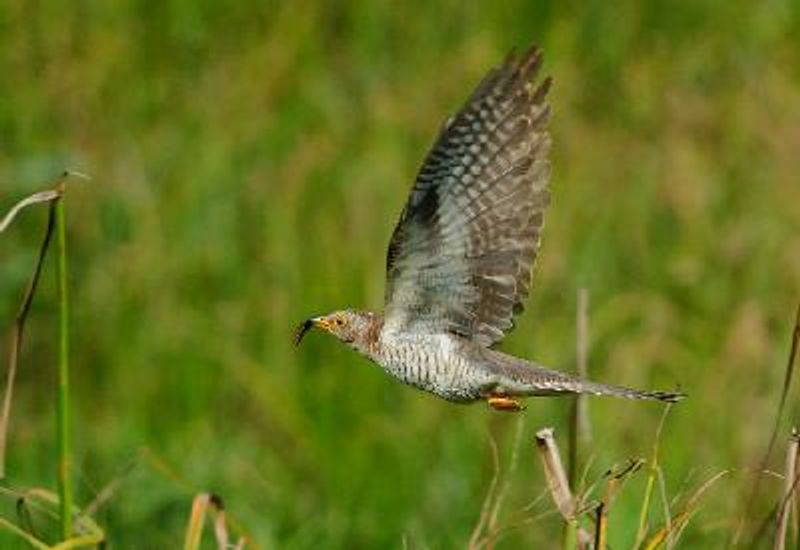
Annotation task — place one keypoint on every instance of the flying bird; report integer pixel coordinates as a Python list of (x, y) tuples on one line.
[(459, 263)]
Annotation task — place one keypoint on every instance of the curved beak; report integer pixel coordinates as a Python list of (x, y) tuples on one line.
[(307, 325)]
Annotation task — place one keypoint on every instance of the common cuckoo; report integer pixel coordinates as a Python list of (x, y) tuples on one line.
[(459, 263)]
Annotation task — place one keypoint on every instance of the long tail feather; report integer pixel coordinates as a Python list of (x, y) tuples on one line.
[(519, 377)]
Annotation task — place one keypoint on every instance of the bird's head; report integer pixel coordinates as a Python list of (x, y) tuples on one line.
[(357, 328)]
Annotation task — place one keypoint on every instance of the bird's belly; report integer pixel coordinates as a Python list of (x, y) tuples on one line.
[(433, 366)]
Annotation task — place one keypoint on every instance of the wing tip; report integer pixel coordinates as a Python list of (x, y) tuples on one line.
[(668, 396), (522, 70), (541, 90), (531, 60)]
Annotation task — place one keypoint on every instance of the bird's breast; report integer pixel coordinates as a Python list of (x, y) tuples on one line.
[(433, 363)]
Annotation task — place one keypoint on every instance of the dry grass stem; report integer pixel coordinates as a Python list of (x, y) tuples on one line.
[(197, 519), (787, 382), (37, 198), (580, 428), (200, 509), (554, 473), (790, 488), (796, 500), (158, 465), (558, 486)]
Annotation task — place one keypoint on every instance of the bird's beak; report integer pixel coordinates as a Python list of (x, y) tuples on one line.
[(308, 324)]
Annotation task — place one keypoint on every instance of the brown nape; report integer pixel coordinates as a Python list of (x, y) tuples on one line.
[(373, 331), (301, 330)]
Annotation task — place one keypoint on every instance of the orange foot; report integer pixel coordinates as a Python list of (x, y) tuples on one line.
[(504, 403)]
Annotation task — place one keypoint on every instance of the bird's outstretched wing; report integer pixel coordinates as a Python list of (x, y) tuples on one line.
[(460, 258)]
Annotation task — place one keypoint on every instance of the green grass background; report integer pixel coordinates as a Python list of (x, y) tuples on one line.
[(249, 162)]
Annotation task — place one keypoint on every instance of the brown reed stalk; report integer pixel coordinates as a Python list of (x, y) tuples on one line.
[(580, 429), (202, 505), (791, 479), (559, 489), (787, 382)]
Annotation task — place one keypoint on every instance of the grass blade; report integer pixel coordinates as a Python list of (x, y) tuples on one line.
[(674, 526), (24, 518), (475, 540), (63, 407), (512, 466), (30, 539), (653, 472)]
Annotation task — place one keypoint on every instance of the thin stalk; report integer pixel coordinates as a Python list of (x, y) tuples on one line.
[(569, 542), (579, 433), (795, 504), (574, 536), (787, 382), (790, 486), (63, 416), (601, 527)]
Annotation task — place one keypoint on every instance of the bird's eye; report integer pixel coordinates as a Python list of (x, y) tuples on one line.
[(338, 322)]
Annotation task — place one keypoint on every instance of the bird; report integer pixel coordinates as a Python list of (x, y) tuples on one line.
[(459, 262)]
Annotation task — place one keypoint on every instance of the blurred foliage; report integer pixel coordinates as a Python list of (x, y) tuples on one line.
[(249, 162)]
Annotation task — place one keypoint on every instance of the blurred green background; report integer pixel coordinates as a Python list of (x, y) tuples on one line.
[(249, 162)]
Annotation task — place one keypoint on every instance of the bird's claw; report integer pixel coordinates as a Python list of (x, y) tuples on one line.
[(504, 403)]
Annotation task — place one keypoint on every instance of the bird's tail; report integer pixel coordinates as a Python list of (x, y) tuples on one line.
[(520, 377), (577, 385)]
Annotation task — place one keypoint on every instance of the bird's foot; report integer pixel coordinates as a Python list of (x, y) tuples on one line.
[(504, 403)]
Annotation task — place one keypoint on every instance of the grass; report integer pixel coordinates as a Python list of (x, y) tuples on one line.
[(62, 402), (90, 534), (250, 163)]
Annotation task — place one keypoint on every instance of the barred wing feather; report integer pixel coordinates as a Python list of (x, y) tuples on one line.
[(461, 256)]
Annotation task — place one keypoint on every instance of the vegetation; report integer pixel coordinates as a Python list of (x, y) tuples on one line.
[(248, 163)]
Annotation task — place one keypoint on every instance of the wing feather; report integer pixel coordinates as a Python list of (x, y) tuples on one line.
[(461, 256)]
